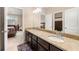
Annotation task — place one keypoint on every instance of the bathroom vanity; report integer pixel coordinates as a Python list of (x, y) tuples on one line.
[(63, 22), (38, 41)]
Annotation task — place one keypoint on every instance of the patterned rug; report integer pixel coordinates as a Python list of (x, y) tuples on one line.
[(24, 47)]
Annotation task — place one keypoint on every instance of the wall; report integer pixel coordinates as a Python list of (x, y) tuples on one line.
[(27, 17), (36, 20), (19, 21), (14, 10)]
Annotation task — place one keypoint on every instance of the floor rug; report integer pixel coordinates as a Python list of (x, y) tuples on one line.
[(24, 47)]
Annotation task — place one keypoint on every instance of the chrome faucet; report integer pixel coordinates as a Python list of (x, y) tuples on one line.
[(59, 35)]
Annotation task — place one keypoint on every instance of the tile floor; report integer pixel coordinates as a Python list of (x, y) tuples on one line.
[(15, 41)]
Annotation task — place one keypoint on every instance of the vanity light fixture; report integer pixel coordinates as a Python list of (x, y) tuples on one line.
[(37, 10)]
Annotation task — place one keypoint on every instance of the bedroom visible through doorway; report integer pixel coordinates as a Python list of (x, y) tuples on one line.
[(15, 28)]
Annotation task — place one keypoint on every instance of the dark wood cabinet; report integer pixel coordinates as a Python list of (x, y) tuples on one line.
[(34, 42), (43, 43), (34, 37), (39, 44), (29, 37), (41, 48), (54, 48), (34, 45), (26, 36)]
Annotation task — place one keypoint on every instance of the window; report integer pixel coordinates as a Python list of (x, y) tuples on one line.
[(12, 20)]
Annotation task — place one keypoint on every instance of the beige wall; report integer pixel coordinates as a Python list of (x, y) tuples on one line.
[(19, 20), (27, 17), (30, 19), (37, 20)]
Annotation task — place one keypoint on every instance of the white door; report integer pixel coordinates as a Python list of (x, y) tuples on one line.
[(70, 17)]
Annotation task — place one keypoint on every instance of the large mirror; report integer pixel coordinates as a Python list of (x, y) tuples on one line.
[(62, 19)]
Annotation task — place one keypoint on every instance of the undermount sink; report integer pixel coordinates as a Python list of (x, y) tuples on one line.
[(55, 38)]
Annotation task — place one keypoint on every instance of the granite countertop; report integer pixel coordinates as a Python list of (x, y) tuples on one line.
[(68, 44)]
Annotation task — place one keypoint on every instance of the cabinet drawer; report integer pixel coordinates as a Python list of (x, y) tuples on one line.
[(54, 48), (40, 48), (43, 43)]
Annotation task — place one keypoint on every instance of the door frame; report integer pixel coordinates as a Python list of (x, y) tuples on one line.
[(5, 29)]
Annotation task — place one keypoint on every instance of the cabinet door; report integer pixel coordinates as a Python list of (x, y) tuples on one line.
[(26, 37), (43, 43), (54, 48), (34, 45), (34, 37), (30, 37), (41, 48)]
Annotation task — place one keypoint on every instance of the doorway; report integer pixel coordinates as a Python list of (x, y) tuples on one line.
[(15, 28)]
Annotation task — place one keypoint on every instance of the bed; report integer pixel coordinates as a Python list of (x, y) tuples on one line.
[(11, 31)]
